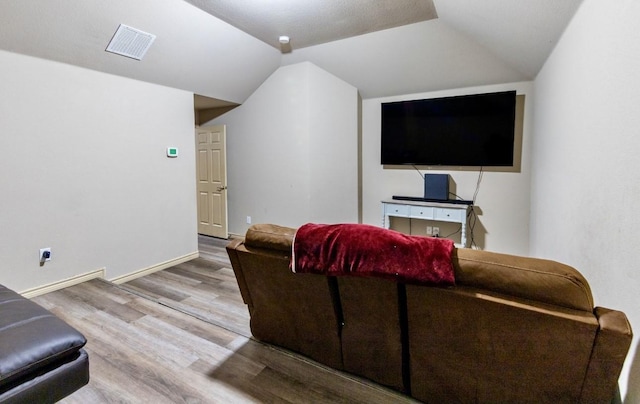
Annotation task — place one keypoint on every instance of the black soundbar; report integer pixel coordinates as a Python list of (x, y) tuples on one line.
[(419, 199)]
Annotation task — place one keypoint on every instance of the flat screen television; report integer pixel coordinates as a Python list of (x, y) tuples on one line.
[(469, 130)]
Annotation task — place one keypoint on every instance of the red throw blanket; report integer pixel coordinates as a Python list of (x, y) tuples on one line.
[(364, 250)]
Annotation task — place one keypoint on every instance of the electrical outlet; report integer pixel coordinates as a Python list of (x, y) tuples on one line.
[(248, 219), (429, 230), (436, 231), (45, 254)]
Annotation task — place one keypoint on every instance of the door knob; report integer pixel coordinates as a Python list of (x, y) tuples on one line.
[(222, 188)]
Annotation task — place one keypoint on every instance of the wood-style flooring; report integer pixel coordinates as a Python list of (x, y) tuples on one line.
[(182, 335)]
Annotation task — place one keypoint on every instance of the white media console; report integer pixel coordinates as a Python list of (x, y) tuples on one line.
[(436, 211)]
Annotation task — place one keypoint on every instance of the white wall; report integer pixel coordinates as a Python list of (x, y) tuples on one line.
[(84, 171), (292, 151), (503, 198), (586, 170), (333, 148)]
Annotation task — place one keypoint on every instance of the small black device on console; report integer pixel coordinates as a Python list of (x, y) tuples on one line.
[(436, 187)]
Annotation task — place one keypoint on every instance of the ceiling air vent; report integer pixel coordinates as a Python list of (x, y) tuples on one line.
[(130, 42)]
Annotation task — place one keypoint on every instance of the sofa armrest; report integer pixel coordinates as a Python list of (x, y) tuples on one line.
[(237, 269), (610, 349)]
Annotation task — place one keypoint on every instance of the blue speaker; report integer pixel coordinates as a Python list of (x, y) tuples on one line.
[(436, 187)]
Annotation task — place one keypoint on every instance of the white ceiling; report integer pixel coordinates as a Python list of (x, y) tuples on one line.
[(521, 32), (193, 51), (313, 22), (471, 43)]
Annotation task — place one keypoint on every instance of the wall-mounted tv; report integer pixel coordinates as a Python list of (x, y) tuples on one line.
[(468, 130)]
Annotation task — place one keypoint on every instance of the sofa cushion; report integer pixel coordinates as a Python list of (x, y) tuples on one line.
[(270, 236), (31, 338), (50, 384), (529, 278)]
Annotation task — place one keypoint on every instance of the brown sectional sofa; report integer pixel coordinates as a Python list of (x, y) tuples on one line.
[(513, 329)]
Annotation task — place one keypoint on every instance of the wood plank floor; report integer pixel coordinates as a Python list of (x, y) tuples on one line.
[(182, 336)]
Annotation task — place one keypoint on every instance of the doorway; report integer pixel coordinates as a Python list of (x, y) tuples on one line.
[(211, 172)]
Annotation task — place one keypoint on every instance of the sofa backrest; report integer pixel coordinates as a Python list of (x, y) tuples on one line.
[(270, 236), (535, 279)]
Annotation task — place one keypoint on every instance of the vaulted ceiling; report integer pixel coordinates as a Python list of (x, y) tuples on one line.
[(224, 49), (314, 22)]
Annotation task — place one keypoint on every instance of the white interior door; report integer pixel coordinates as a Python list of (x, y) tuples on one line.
[(212, 180)]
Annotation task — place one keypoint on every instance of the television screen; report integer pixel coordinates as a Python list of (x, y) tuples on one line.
[(469, 130)]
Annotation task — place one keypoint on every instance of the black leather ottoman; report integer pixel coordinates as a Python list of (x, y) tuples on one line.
[(41, 356)]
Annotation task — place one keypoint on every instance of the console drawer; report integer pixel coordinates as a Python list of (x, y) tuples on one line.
[(422, 212), (449, 215), (396, 210)]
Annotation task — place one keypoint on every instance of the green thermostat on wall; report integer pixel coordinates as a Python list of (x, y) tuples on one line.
[(172, 152)]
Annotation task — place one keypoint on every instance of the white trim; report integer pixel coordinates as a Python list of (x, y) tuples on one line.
[(52, 287), (155, 268), (293, 253)]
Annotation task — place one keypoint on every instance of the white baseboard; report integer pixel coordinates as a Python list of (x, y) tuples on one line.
[(41, 290), (155, 268), (101, 273)]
